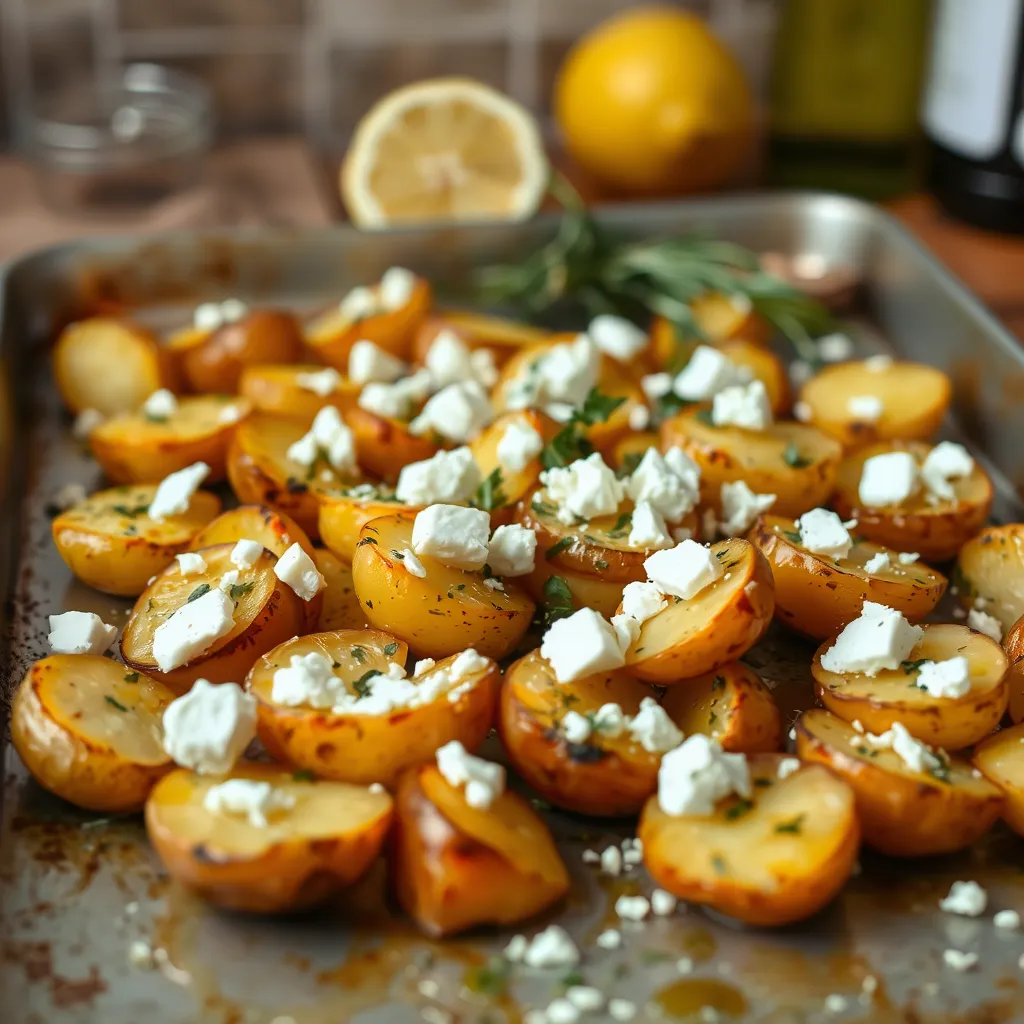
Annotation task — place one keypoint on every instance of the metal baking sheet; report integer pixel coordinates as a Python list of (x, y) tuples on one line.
[(76, 891)]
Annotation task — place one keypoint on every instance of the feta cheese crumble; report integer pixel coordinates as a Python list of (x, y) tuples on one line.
[(246, 553), (565, 374), (823, 533), (396, 401), (85, 423), (457, 412), (617, 337), (648, 529), (452, 534), (208, 728), (192, 629), (255, 800), (670, 483), (297, 570), (367, 363), (879, 639), (518, 446), (632, 908), (322, 382), (575, 727), (582, 644), (308, 680), (888, 479), (80, 633), (867, 408), (697, 774), (582, 490), (482, 781), (740, 507), (708, 372), (396, 289), (966, 898), (1008, 920), (642, 601), (174, 494), (945, 462), (683, 571), (161, 405), (445, 478), (328, 437), (917, 756), (211, 316), (653, 729), (950, 678), (663, 903), (787, 766), (610, 938), (985, 623), (907, 557), (878, 562), (745, 406), (835, 347), (190, 563), (656, 385), (621, 1010), (960, 961), (551, 948), (512, 550)]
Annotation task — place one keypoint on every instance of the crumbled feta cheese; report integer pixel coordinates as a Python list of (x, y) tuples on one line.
[(879, 639), (551, 948), (946, 461), (1009, 920), (575, 727), (230, 414), (189, 562), (621, 1009), (518, 446), (256, 801), (836, 1003), (360, 303), (878, 364), (482, 781), (561, 1011), (985, 623), (656, 385), (80, 633), (450, 360), (140, 953), (580, 645), (684, 965), (888, 479), (452, 534), (835, 347), (585, 998), (787, 766), (609, 720), (740, 507), (512, 550), (297, 570), (648, 529), (208, 728), (68, 496), (396, 288), (917, 756), (744, 406), (708, 372), (966, 898), (327, 436), (457, 412), (950, 678), (960, 961), (642, 601), (174, 494), (639, 417), (663, 903), (610, 938), (591, 857), (878, 562), (802, 412), (446, 477), (326, 381), (396, 401), (565, 373), (582, 490), (412, 565), (670, 482), (85, 423), (683, 571), (423, 666), (161, 405), (367, 363), (307, 681), (653, 729), (516, 949), (493, 583), (800, 372), (611, 860), (866, 408), (468, 663), (632, 908), (907, 557), (697, 774), (228, 580), (823, 532), (246, 553), (617, 337), (192, 629), (211, 316)]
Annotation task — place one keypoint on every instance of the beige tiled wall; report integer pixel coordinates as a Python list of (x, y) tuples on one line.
[(316, 65)]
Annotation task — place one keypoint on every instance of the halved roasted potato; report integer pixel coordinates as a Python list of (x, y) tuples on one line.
[(776, 858), (936, 531), (345, 511), (260, 336), (110, 543), (894, 696), (718, 625), (580, 590), (275, 388), (731, 705), (817, 595), (990, 568), (903, 812), (261, 473), (514, 484), (719, 319), (1001, 758), (442, 613), (135, 448), (384, 445), (604, 775), (1013, 645), (795, 462), (332, 333), (323, 842), (911, 400), (266, 613), (764, 365), (109, 365), (370, 746), (477, 330), (341, 608), (90, 730), (454, 866)]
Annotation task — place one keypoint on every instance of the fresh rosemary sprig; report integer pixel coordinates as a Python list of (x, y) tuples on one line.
[(588, 265)]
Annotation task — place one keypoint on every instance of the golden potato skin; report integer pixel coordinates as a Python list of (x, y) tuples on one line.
[(999, 758), (384, 446), (816, 596), (448, 881), (731, 705), (990, 567), (343, 516), (902, 813), (67, 760)]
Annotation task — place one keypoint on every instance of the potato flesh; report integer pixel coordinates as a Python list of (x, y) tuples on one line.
[(195, 418), (341, 608)]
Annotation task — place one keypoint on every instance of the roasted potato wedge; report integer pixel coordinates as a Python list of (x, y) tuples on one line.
[(776, 858), (893, 696), (322, 843), (267, 612), (476, 330), (718, 625), (902, 812), (331, 334), (345, 511), (935, 531), (515, 485), (454, 867), (913, 399), (89, 730), (341, 608), (605, 775), (795, 462), (274, 388), (261, 336), (1001, 758), (261, 473), (110, 543), (1013, 644), (817, 596), (384, 446), (990, 567), (109, 365), (367, 747), (135, 448), (419, 610), (731, 705)]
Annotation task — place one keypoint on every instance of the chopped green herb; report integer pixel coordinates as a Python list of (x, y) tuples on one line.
[(115, 703), (596, 408), (362, 684), (738, 809), (359, 654), (131, 677), (487, 571), (303, 775), (718, 683), (792, 457), (569, 444), (621, 526), (655, 956), (557, 603), (670, 403), (793, 827), (910, 667), (491, 979), (762, 783), (236, 590), (366, 540), (335, 664), (629, 464), (600, 564), (559, 546), (573, 977), (131, 511), (489, 495), (397, 554), (391, 648), (793, 536), (203, 588)]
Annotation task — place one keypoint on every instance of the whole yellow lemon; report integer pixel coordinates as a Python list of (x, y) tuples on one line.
[(651, 101)]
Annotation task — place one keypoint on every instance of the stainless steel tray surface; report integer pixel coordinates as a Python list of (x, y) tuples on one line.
[(77, 891)]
